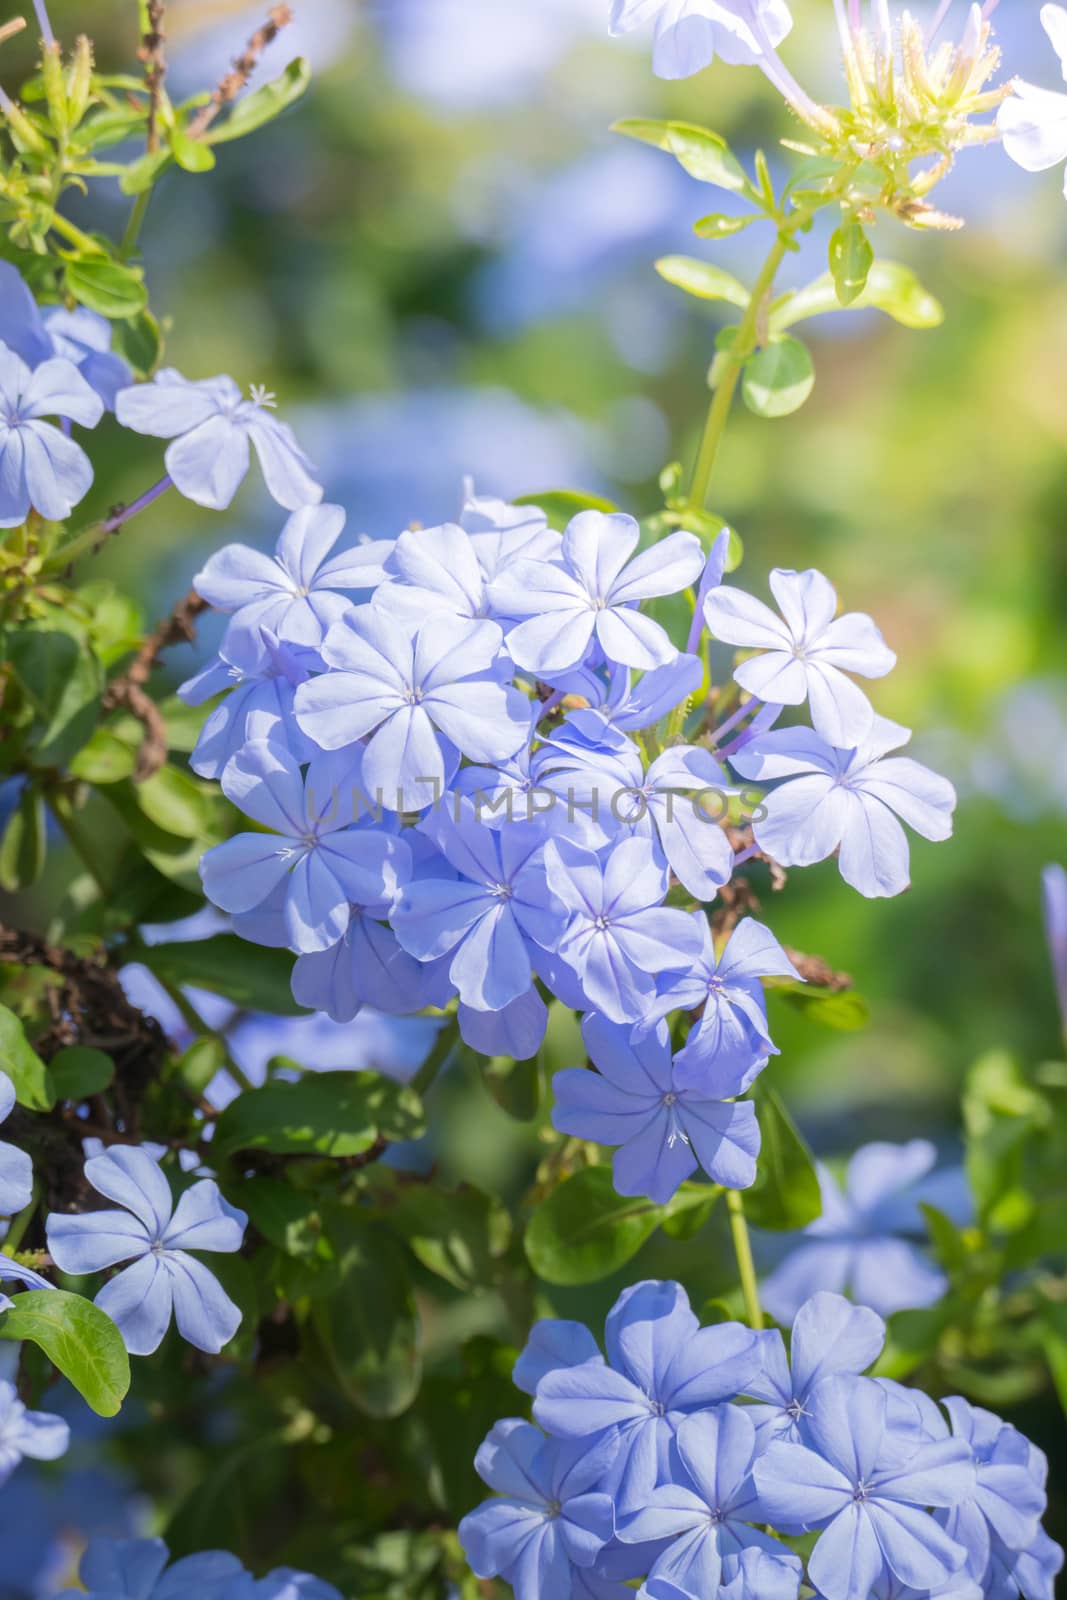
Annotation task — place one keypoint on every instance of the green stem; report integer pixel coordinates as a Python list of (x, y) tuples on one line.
[(743, 346), (136, 222), (746, 1267), (17, 1227), (444, 1045)]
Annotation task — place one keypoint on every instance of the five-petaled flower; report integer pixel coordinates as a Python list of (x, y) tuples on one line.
[(41, 469), (156, 1236)]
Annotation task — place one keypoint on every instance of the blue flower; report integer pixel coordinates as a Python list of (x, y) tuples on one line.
[(156, 1236), (212, 427), (1054, 899), (730, 1043), (501, 533), (604, 773), (806, 655), (40, 468), (620, 936), (422, 701), (1004, 1513), (27, 1435), (79, 336), (830, 1338), (594, 591), (261, 675), (856, 1243), (848, 801), (552, 1517), (867, 1492), (491, 918), (707, 1506), (691, 33), (661, 1367), (295, 592), (368, 966), (664, 1132), (137, 1569), (318, 857), (16, 1168)]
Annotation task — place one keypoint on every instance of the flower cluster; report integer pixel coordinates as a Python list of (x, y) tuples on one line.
[(113, 1569), (480, 770), (688, 1457)]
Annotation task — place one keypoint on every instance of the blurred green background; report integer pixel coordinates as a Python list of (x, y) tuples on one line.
[(441, 262)]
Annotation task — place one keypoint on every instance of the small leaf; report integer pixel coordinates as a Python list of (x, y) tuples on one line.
[(702, 279), (514, 1085), (368, 1325), (79, 1339), (457, 1236), (263, 105), (328, 1114), (33, 1085), (779, 378), (786, 1193), (78, 1072), (722, 226), (891, 287), (103, 759), (106, 286), (252, 976), (63, 682), (560, 505), (842, 1009), (142, 173), (851, 260), (192, 155), (24, 844), (584, 1230), (704, 155)]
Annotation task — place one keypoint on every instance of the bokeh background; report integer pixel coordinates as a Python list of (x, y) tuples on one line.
[(441, 262)]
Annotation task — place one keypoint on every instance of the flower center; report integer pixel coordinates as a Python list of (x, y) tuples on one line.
[(601, 923)]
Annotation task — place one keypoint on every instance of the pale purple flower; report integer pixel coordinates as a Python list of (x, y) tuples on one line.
[(846, 800), (16, 1168), (862, 1242), (1054, 894), (1009, 1497), (156, 1236), (1033, 123), (707, 1506), (27, 1435), (40, 467), (804, 653), (664, 1131), (552, 1518), (620, 935), (259, 676), (213, 429), (501, 533), (368, 966), (689, 34), (422, 701), (79, 336), (869, 1494), (730, 1042), (491, 918), (321, 856), (593, 593), (136, 1569), (295, 592), (830, 1338)]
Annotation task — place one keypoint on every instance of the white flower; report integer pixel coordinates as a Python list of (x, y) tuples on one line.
[(689, 34), (1033, 124)]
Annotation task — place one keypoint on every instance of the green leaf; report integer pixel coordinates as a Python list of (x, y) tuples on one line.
[(290, 1219), (106, 286), (263, 105), (63, 682), (104, 759), (702, 279), (722, 226), (584, 1230), (457, 1236), (200, 1061), (851, 260), (950, 1246), (779, 378), (368, 1325), (514, 1085), (842, 1009), (560, 505), (192, 155), (79, 1339), (786, 1192), (18, 1058), (24, 844), (142, 173), (891, 287), (177, 802), (140, 340), (252, 976), (78, 1072), (704, 155), (329, 1114)]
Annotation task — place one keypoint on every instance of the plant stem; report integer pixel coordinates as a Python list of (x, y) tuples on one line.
[(91, 538), (17, 1227), (138, 213), (746, 1267), (743, 346)]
